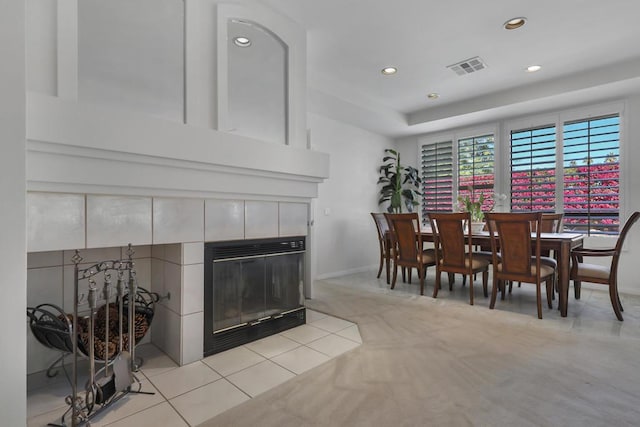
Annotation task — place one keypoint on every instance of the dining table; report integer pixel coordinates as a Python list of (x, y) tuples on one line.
[(561, 243)]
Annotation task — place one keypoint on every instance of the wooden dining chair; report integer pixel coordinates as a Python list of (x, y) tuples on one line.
[(409, 250), (551, 223), (520, 259), (384, 242), (454, 250), (601, 274)]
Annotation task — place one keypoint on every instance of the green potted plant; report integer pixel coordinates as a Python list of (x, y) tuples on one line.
[(399, 183)]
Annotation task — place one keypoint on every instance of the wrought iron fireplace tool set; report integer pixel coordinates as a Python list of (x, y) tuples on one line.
[(79, 334)]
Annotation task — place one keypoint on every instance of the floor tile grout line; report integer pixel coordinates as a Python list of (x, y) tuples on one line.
[(132, 414), (236, 386), (179, 413), (284, 367), (259, 354), (190, 390), (295, 373), (198, 387), (243, 369)]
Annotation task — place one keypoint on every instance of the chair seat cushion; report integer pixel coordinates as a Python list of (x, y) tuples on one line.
[(488, 255), (545, 270), (427, 257), (477, 263), (548, 261), (593, 270)]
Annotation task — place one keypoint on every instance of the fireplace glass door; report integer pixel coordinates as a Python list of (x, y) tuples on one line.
[(284, 283), (238, 294)]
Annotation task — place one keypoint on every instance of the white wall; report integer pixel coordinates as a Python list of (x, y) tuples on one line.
[(628, 274), (13, 264), (630, 193), (346, 239)]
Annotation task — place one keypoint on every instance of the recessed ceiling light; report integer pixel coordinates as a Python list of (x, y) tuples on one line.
[(514, 23), (387, 71), (533, 68), (433, 95), (242, 41)]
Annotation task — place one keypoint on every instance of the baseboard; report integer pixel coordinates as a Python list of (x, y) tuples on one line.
[(346, 272)]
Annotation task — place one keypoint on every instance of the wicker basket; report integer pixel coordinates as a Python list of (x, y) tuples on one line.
[(52, 327)]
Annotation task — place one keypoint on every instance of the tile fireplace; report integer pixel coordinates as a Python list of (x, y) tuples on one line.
[(168, 235)]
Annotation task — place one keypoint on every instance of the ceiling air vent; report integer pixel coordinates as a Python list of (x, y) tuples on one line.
[(468, 66)]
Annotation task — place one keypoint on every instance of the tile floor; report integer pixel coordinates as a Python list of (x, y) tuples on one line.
[(190, 394), (591, 314)]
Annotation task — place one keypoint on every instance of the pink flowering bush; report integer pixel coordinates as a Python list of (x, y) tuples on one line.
[(591, 194)]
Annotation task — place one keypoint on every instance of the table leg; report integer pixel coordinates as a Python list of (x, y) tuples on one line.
[(387, 258), (564, 259), (388, 266)]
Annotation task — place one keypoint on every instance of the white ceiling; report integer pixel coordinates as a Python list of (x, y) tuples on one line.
[(588, 50)]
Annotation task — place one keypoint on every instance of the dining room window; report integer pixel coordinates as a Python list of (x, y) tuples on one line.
[(581, 178), (591, 166), (456, 167), (533, 169), (476, 168), (437, 177)]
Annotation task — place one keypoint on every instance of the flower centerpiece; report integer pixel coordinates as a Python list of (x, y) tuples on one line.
[(476, 208)]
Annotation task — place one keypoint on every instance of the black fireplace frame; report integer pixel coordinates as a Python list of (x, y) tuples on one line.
[(215, 342)]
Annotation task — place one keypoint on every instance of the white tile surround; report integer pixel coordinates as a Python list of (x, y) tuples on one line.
[(168, 235), (191, 394)]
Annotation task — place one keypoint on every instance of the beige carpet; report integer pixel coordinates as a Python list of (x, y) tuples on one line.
[(426, 362)]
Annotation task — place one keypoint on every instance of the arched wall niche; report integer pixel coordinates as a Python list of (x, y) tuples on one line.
[(293, 38), (257, 82)]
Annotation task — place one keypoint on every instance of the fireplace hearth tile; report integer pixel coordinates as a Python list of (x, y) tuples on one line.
[(304, 334), (208, 401), (351, 333), (272, 346), (159, 415), (301, 359), (129, 405), (183, 379), (331, 324), (260, 378), (313, 315), (333, 345), (155, 361), (234, 360)]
